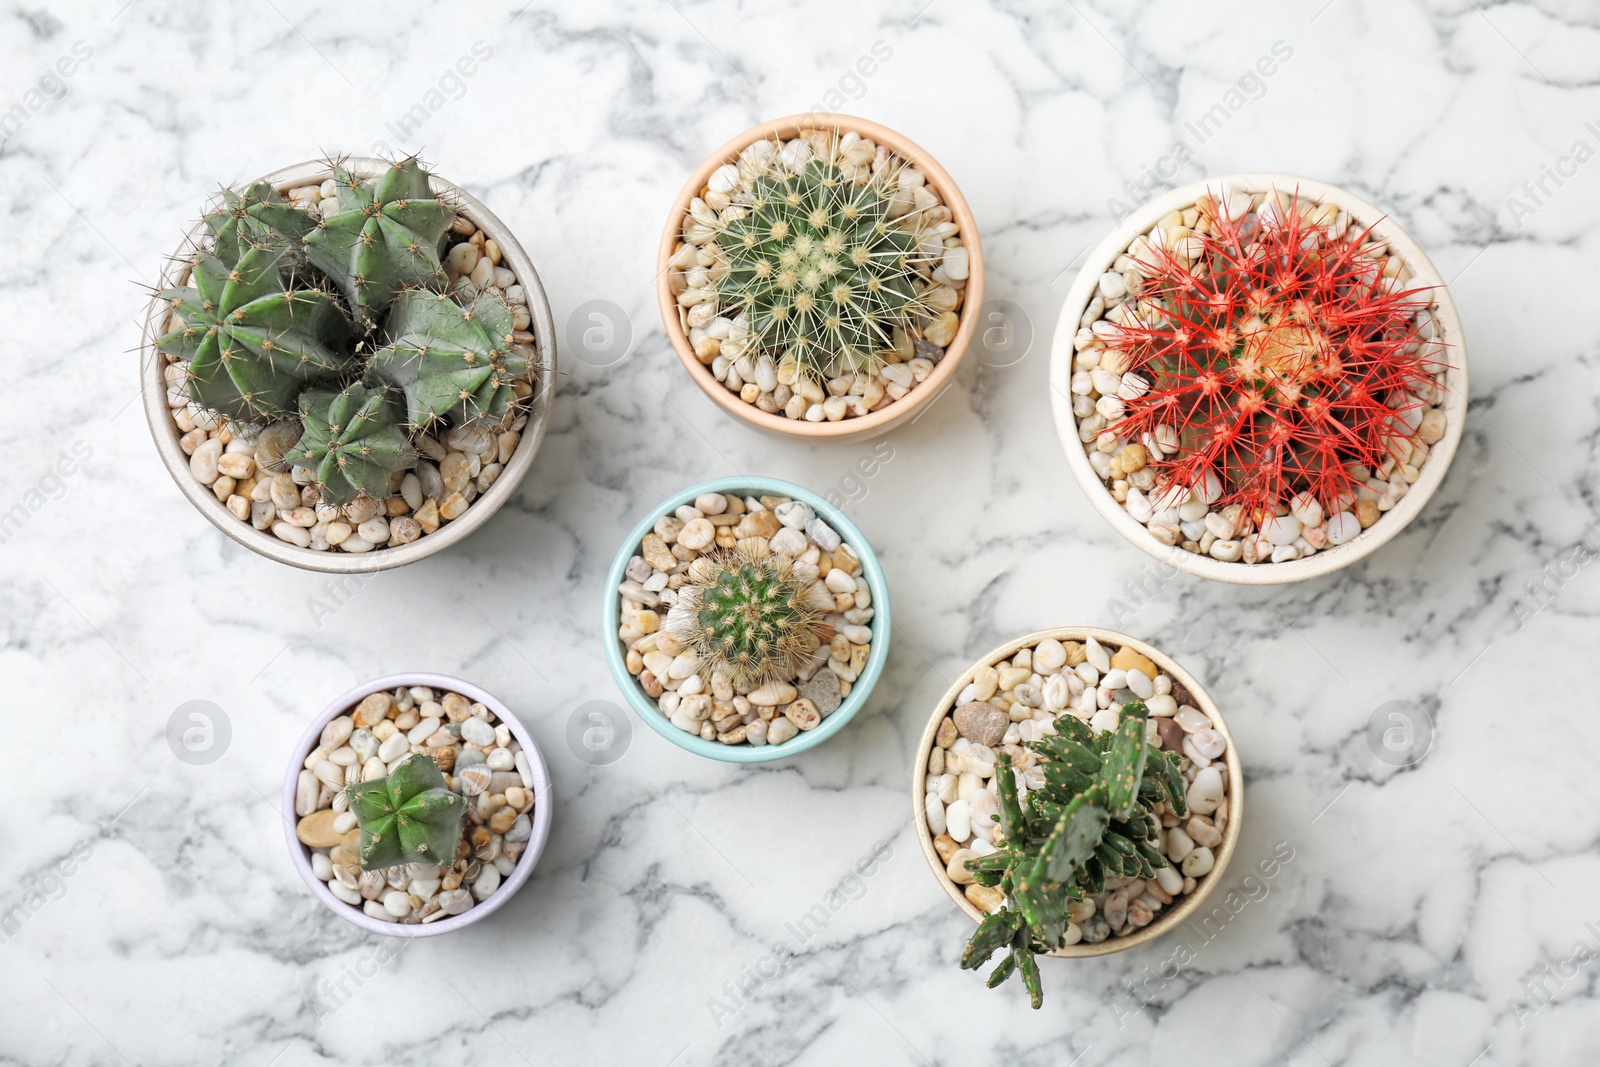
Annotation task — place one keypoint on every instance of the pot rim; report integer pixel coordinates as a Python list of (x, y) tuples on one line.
[(300, 854), (873, 423), (860, 689), (165, 433), (1170, 918), (1326, 560)]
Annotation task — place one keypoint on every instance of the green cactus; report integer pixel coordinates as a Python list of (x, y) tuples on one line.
[(384, 238), (352, 442), (746, 613), (259, 216), (253, 344), (822, 268), (452, 362), (409, 816), (1094, 819)]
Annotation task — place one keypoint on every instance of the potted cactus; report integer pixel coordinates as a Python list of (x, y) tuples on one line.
[(1076, 793), (416, 804), (1259, 378), (746, 620), (1098, 817), (349, 368), (821, 280)]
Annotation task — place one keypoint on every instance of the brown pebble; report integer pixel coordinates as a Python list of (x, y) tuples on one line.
[(987, 898), (373, 709), (981, 722), (1171, 734)]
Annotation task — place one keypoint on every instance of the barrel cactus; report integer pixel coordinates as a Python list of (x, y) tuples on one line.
[(257, 217), (747, 613), (1095, 818), (252, 342), (352, 442), (409, 816), (821, 269)]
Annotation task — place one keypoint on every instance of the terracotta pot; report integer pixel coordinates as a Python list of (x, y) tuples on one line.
[(301, 855), (1169, 918), (1328, 559), (166, 433), (873, 423)]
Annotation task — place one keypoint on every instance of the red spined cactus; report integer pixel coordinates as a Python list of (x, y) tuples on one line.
[(1278, 351)]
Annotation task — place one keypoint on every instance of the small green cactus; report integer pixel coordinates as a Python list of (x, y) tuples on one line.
[(409, 816), (352, 442), (1095, 818), (452, 362), (746, 613), (257, 217), (822, 268), (384, 238), (253, 343)]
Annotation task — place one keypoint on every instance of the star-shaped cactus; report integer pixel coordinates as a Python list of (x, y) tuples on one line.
[(252, 342), (452, 362), (352, 442), (384, 237), (408, 816)]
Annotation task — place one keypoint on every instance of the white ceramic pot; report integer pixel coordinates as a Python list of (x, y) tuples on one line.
[(166, 433), (1329, 559)]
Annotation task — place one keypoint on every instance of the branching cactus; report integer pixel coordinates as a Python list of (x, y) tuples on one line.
[(408, 816), (452, 362), (352, 442), (747, 613), (1093, 819), (252, 342), (383, 238), (329, 334), (822, 268)]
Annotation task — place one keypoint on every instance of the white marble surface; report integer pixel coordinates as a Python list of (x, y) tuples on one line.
[(1417, 902)]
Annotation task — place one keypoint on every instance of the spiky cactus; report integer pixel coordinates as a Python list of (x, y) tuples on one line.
[(384, 238), (453, 363), (312, 327), (253, 343), (352, 442), (1277, 352), (259, 216), (1095, 818), (408, 816), (747, 613), (822, 268)]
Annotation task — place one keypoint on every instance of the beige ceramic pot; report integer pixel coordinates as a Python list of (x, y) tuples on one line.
[(166, 433), (1169, 918), (874, 423)]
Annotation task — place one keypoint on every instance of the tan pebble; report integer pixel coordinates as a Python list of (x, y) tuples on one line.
[(428, 516), (501, 820), (656, 553), (946, 735), (457, 708), (443, 755), (956, 866), (945, 846), (1076, 653), (1126, 659), (454, 506), (987, 898), (405, 720), (373, 709), (316, 830), (1367, 512), (803, 714), (239, 507)]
